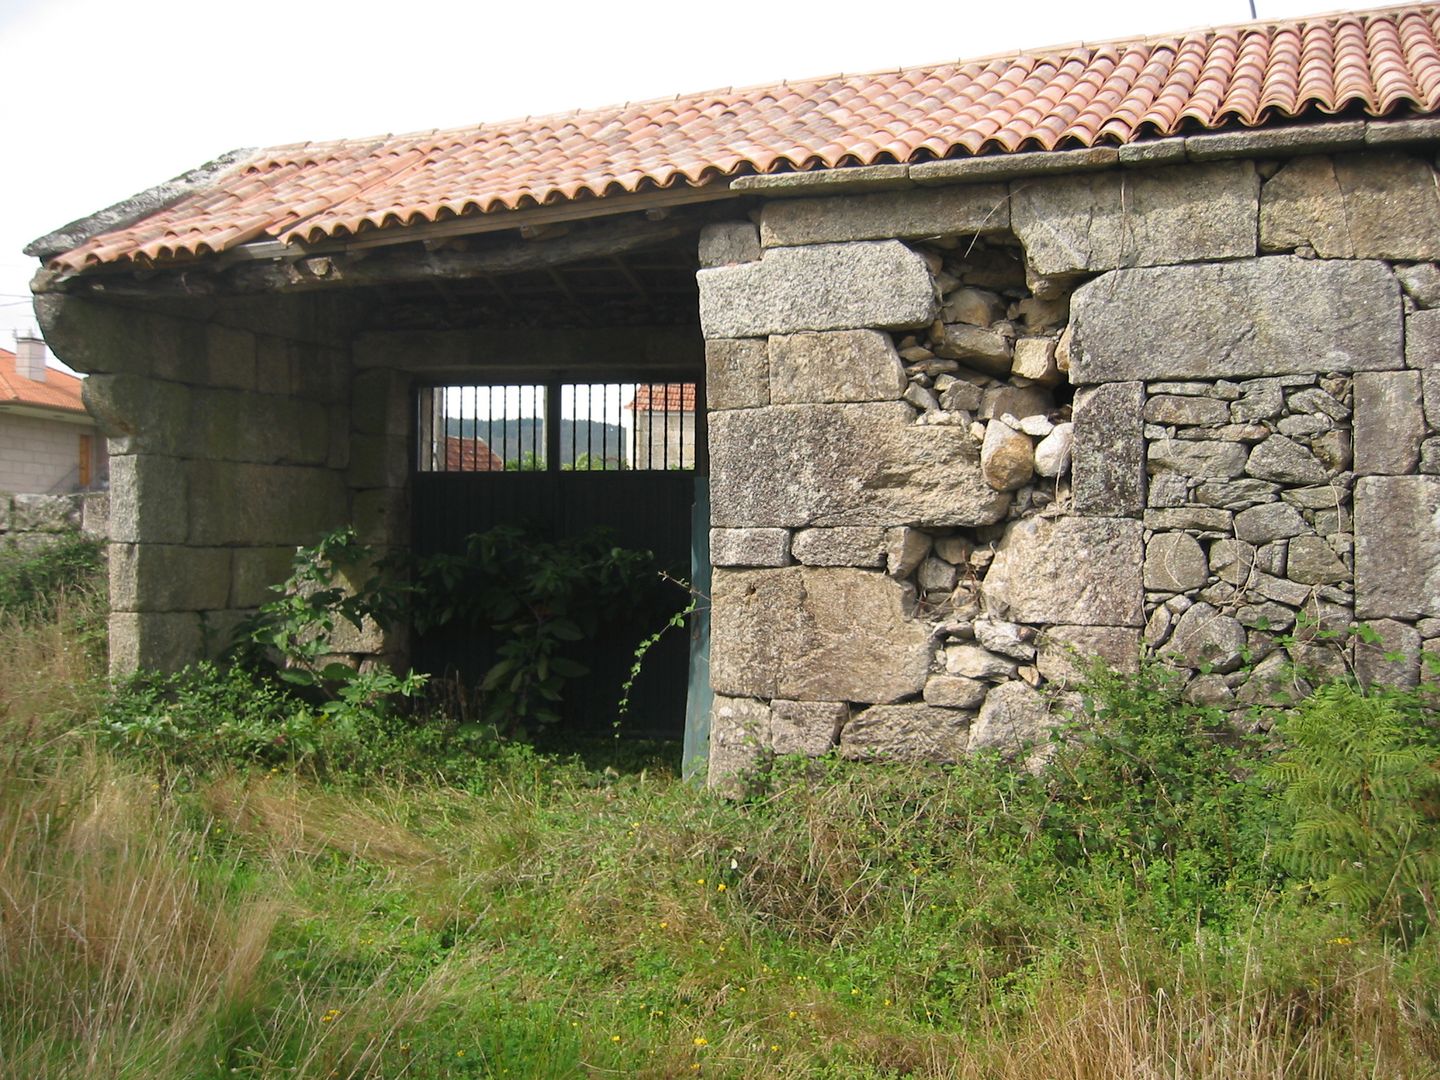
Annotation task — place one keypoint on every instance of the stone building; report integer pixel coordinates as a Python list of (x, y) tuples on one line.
[(999, 365)]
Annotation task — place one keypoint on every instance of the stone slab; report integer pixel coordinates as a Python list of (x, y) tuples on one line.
[(909, 732), (750, 547), (1107, 459), (168, 577), (863, 545), (1389, 422), (1088, 223), (1397, 547), (1066, 652), (878, 284), (1072, 571), (1371, 206), (950, 211), (816, 634), (737, 373), (806, 727), (1268, 316), (845, 465), (839, 366)]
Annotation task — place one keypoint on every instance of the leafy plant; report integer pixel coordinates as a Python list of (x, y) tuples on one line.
[(338, 578), (31, 581), (536, 597), (1360, 775)]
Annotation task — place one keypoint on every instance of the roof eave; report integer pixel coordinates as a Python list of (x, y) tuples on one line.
[(127, 212)]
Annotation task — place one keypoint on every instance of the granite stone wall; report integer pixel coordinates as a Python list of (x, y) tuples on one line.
[(229, 432), (965, 438)]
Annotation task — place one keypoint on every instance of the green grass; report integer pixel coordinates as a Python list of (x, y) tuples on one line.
[(536, 916)]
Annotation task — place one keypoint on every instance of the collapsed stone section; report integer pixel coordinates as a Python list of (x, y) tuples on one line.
[(864, 486)]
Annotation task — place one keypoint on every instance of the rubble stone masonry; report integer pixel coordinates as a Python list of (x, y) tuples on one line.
[(965, 439)]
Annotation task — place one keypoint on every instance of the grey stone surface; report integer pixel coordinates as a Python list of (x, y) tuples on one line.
[(1202, 460), (1013, 718), (1389, 422), (1204, 518), (1066, 652), (846, 546), (1053, 453), (806, 727), (820, 634), (1266, 316), (168, 577), (1236, 493), (44, 513), (1016, 401), (1076, 571), (936, 575), (1285, 461), (739, 737), (246, 504), (1393, 660), (1007, 457), (910, 732), (737, 373), (252, 573), (1312, 561), (1088, 223), (148, 499), (974, 662), (985, 349), (1272, 521), (1174, 409), (970, 208), (842, 365), (832, 465), (880, 284), (1421, 283), (1035, 359), (1108, 457), (1006, 638), (905, 550), (978, 307), (1174, 562), (1205, 638), (725, 243), (750, 547), (158, 640), (1397, 547), (1371, 206), (955, 692), (139, 414)]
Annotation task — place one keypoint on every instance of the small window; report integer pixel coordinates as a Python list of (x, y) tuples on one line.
[(598, 427)]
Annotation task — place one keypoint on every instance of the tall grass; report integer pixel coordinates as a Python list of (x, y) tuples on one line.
[(548, 920)]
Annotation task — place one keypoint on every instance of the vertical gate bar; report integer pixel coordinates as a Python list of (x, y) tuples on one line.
[(552, 426)]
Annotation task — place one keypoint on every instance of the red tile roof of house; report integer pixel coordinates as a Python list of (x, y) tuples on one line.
[(1382, 61), (470, 455), (58, 391), (664, 397)]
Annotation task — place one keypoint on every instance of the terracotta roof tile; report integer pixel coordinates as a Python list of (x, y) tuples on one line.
[(59, 391), (1377, 61), (664, 397)]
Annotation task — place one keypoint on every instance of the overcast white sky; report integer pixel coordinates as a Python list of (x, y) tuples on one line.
[(104, 98)]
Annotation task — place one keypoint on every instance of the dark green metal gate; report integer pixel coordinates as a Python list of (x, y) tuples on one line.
[(537, 484)]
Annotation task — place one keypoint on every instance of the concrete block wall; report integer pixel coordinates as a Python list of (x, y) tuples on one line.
[(965, 437), (229, 437), (40, 456)]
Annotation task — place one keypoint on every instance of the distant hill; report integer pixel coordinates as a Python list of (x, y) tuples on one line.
[(515, 437)]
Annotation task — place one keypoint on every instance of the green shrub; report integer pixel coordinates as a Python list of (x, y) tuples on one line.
[(32, 581), (1360, 776)]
